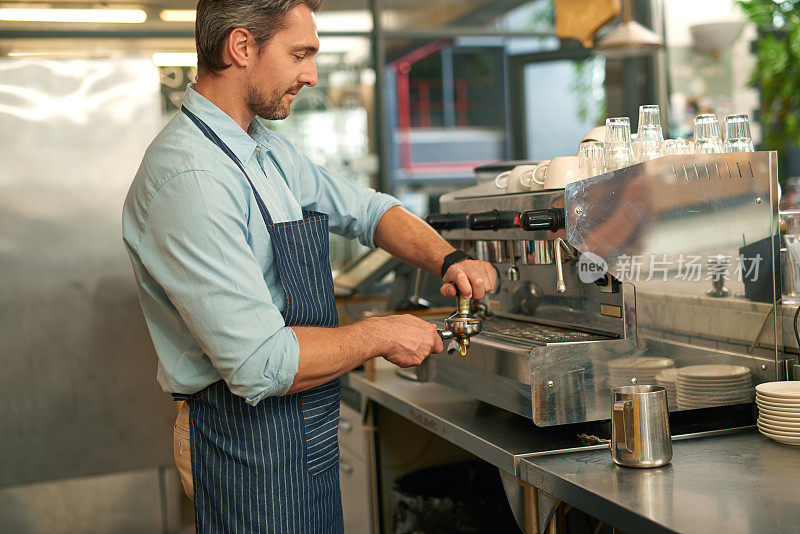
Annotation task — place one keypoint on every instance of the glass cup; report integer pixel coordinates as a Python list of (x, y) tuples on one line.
[(590, 159), (678, 147), (737, 134), (649, 137), (707, 138), (617, 151)]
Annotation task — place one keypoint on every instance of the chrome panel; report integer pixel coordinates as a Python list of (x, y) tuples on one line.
[(652, 210), (704, 206)]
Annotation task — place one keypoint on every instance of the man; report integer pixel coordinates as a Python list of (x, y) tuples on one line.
[(227, 224)]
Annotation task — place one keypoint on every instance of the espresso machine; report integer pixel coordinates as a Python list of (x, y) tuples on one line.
[(645, 275)]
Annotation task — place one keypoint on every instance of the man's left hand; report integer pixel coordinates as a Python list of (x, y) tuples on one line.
[(472, 277)]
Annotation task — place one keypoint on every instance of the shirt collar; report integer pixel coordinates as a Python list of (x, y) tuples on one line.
[(259, 132), (239, 141)]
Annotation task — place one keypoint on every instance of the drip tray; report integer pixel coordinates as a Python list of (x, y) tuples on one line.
[(528, 335), (533, 333)]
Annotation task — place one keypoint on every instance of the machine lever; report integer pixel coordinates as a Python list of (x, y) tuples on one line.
[(447, 221), (551, 219)]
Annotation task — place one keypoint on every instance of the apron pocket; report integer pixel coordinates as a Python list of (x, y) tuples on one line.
[(321, 421)]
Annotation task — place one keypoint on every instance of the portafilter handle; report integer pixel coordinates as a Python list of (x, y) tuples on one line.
[(464, 305)]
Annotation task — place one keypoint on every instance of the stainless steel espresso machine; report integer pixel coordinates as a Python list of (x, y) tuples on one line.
[(664, 272)]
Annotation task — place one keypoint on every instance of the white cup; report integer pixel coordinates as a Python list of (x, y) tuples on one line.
[(518, 179), (595, 134), (557, 173)]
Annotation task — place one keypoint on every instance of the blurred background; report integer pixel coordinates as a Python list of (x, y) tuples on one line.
[(412, 96)]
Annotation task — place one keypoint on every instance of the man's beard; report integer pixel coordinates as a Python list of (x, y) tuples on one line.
[(270, 107)]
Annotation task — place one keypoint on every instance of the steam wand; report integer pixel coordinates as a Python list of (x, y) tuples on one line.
[(561, 287)]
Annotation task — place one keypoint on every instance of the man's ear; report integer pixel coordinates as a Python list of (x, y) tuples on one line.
[(237, 47)]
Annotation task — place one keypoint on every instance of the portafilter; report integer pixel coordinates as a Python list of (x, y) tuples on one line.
[(461, 326)]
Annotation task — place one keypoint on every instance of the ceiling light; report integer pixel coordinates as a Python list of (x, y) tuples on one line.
[(72, 15), (178, 15), (45, 54), (628, 39), (357, 20), (715, 37), (175, 59)]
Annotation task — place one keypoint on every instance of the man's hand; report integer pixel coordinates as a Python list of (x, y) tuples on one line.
[(406, 340), (473, 279)]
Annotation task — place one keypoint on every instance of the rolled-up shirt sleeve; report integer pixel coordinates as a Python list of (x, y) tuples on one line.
[(353, 209), (195, 246)]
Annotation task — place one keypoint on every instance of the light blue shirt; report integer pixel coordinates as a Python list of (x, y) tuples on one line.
[(203, 259)]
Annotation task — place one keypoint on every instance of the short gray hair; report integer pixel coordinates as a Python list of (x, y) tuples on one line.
[(216, 19)]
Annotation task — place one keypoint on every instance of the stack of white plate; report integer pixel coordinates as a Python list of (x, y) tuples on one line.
[(702, 386), (668, 378), (622, 370), (779, 411)]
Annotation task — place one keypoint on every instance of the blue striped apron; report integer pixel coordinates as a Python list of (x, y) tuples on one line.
[(270, 467)]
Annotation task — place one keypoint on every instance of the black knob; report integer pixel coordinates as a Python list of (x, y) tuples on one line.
[(447, 221), (547, 219), (491, 220)]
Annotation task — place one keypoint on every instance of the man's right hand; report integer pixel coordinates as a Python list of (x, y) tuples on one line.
[(406, 340)]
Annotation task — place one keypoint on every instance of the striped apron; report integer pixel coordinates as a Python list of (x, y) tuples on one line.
[(271, 467)]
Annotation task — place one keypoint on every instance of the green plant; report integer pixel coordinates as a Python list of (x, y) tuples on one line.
[(777, 70), (587, 88)]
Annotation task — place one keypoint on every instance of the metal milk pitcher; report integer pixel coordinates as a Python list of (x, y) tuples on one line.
[(640, 427)]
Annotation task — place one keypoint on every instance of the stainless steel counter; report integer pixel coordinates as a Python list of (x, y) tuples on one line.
[(494, 435), (739, 482), (730, 483)]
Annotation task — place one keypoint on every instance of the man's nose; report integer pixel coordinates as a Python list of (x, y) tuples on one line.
[(309, 75)]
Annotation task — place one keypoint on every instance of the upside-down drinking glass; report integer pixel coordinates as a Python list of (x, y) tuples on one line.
[(678, 147), (737, 134), (618, 152), (590, 159), (707, 139), (649, 137)]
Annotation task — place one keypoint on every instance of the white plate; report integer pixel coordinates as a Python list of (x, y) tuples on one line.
[(699, 382), (789, 390), (777, 428), (710, 398), (779, 425), (715, 394), (781, 439), (743, 378), (667, 375), (714, 390), (713, 371), (780, 413), (777, 405), (715, 383), (781, 419), (791, 407), (693, 405), (771, 410), (778, 431)]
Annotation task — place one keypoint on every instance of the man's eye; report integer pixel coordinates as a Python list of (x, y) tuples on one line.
[(299, 58)]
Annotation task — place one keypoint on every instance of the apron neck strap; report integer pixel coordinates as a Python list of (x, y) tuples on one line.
[(214, 138)]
